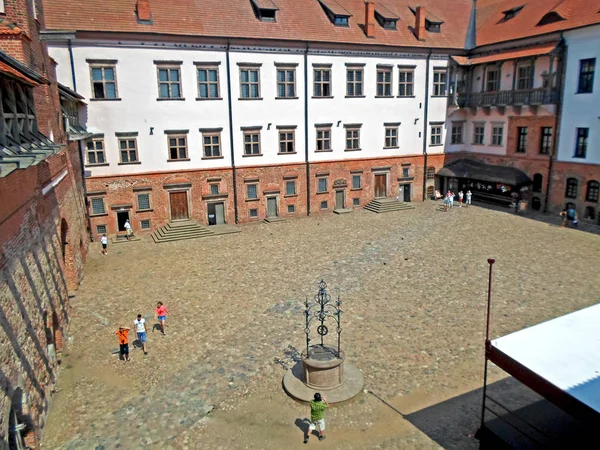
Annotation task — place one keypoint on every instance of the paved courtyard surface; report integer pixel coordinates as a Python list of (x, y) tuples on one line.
[(413, 285)]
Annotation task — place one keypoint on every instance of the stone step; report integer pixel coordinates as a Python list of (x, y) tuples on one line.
[(192, 226), (175, 231), (274, 219), (160, 240), (183, 234), (343, 211), (382, 205)]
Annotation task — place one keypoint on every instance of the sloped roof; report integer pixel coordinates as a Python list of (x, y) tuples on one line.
[(301, 20), (11, 72), (533, 50), (476, 170)]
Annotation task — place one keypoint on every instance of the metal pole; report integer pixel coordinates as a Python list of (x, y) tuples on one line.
[(306, 329), (339, 314), (487, 342)]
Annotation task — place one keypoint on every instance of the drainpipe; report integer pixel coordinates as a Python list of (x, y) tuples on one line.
[(72, 65), (306, 130), (425, 123), (559, 89), (235, 197)]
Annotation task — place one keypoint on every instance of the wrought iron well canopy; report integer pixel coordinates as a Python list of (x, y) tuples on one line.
[(321, 311)]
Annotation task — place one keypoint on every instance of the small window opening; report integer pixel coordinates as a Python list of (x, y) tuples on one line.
[(549, 18), (265, 10), (510, 13), (335, 12)]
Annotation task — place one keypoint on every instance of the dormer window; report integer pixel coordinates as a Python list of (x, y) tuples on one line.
[(549, 18), (265, 10), (510, 13), (433, 24), (336, 13), (386, 18)]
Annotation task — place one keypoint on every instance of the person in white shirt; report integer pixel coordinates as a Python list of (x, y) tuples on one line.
[(460, 198), (140, 329), (469, 195), (128, 229), (104, 241)]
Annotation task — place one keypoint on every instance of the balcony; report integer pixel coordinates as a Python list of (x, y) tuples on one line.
[(529, 97)]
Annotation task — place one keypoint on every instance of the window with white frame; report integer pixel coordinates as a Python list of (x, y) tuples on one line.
[(497, 134), (177, 146), (435, 136), (291, 209), (143, 201), (354, 81), (492, 79), (145, 224), (384, 81), (208, 81), (214, 189), (478, 133), (251, 191), (250, 82), (405, 82), (290, 188), (95, 151), (356, 182), (323, 138), (439, 82), (97, 206), (457, 133), (252, 142), (169, 81), (286, 82), (352, 138), (101, 229), (524, 78), (431, 173), (128, 150), (211, 144), (104, 81), (322, 184), (391, 137), (322, 82), (286, 141)]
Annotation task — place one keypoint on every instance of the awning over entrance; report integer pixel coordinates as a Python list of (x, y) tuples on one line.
[(475, 170)]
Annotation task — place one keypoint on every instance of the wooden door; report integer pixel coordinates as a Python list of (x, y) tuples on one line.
[(339, 200), (271, 207), (407, 192), (220, 213), (179, 205), (380, 185)]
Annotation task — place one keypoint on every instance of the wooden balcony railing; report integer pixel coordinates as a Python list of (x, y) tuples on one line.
[(539, 96)]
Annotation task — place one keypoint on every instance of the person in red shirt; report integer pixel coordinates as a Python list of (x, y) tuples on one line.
[(161, 314), (123, 335)]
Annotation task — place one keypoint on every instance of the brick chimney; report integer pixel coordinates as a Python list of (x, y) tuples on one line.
[(370, 18), (143, 10), (420, 23)]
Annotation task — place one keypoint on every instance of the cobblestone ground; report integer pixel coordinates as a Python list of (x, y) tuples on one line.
[(414, 290)]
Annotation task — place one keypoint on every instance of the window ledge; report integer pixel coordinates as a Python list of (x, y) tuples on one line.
[(579, 157), (212, 157), (406, 96), (356, 189), (322, 96), (99, 215), (355, 96), (250, 98), (582, 92), (388, 148), (287, 153), (128, 163), (384, 96), (322, 192), (480, 145), (324, 151), (105, 99), (179, 99), (457, 143), (177, 160), (97, 165), (252, 199), (250, 156), (290, 195), (439, 145), (199, 99), (520, 152), (352, 149), (287, 98), (144, 210), (439, 96), (496, 145)]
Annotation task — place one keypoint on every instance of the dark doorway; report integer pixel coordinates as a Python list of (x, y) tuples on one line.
[(536, 203), (589, 213), (407, 193), (179, 205), (538, 178), (122, 217), (216, 213), (381, 185)]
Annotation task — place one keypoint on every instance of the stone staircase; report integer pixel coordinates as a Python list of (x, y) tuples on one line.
[(177, 231), (381, 205)]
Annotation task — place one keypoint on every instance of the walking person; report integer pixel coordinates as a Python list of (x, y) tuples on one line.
[(460, 198), (161, 315), (451, 199), (128, 229), (123, 335), (469, 195), (104, 242), (140, 329), (317, 417)]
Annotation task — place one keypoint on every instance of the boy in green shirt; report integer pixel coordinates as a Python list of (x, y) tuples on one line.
[(317, 416)]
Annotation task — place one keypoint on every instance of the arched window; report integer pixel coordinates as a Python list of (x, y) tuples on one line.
[(430, 173), (589, 213), (571, 191), (538, 178), (593, 191)]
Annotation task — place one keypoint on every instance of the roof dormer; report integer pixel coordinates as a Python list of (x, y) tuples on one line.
[(336, 13), (386, 18), (433, 24), (265, 10), (512, 12), (549, 18)]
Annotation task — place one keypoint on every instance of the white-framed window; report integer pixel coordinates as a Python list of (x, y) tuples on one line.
[(214, 189), (457, 133), (177, 147), (322, 82), (290, 188), (353, 138), (356, 182), (291, 209), (145, 224), (391, 137), (354, 81), (384, 81), (435, 135), (128, 150), (286, 141), (251, 191), (143, 201), (286, 82), (97, 206), (323, 139), (95, 151), (101, 229), (250, 82), (478, 133), (104, 81), (439, 82), (406, 78), (497, 134), (2, 10), (322, 184), (211, 144), (252, 143), (208, 81), (169, 81)]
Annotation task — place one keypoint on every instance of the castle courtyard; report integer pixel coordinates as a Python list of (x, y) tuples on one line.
[(413, 285)]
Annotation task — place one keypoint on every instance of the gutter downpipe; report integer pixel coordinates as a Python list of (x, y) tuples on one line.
[(425, 122), (306, 130), (559, 88), (235, 197), (72, 65)]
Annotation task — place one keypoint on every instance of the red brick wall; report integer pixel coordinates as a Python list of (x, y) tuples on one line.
[(583, 173)]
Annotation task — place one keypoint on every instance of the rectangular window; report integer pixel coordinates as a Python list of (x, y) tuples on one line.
[(431, 173), (384, 81), (354, 82), (497, 134), (457, 133), (356, 182), (95, 152), (492, 79), (214, 189), (291, 209), (581, 143), (286, 83), (322, 185), (522, 139), (101, 229), (143, 202), (98, 206), (208, 82), (252, 143), (546, 140), (436, 135), (587, 68), (211, 145), (524, 80), (177, 147), (352, 138), (290, 188), (251, 191), (356, 202), (439, 83), (324, 205), (104, 82), (323, 139), (405, 172), (169, 82), (322, 81), (478, 133), (253, 212), (145, 224), (405, 83), (249, 83), (391, 137), (286, 141), (128, 149)]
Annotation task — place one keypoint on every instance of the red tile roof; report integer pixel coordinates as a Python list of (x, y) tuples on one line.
[(5, 69), (6, 28), (302, 20), (492, 28), (534, 50)]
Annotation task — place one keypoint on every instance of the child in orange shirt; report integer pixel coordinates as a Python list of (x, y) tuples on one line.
[(123, 333)]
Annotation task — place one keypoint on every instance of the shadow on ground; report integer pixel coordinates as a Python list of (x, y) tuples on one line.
[(534, 423)]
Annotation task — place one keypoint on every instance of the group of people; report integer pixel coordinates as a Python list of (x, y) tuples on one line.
[(449, 199), (140, 328), (569, 214)]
